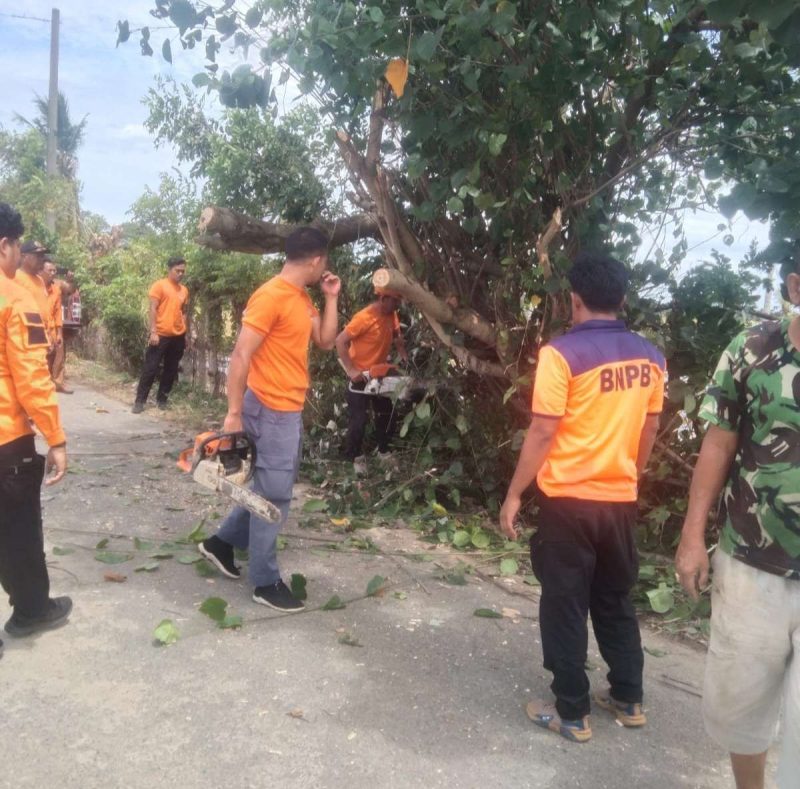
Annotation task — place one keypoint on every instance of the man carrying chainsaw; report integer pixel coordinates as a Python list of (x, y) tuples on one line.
[(362, 345), (267, 383)]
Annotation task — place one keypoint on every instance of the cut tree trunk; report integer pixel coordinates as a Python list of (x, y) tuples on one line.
[(229, 231)]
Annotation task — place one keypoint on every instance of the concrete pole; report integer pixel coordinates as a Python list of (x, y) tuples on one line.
[(52, 111)]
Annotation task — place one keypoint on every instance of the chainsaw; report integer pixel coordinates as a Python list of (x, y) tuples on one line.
[(384, 380), (225, 463)]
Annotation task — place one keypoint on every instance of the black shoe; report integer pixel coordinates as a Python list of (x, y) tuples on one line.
[(162, 405), (57, 614), (220, 554), (137, 408), (279, 597), (1, 649)]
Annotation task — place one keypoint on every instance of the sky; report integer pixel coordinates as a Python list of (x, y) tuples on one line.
[(118, 159)]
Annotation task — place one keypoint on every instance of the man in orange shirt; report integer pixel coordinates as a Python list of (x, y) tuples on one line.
[(596, 399), (26, 393), (168, 332), (365, 342), (54, 289), (267, 383)]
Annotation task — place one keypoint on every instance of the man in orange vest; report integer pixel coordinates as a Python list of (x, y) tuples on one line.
[(26, 393), (29, 276), (169, 300), (55, 289), (365, 342)]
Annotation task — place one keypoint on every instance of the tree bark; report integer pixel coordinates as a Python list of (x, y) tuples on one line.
[(432, 306), (229, 231)]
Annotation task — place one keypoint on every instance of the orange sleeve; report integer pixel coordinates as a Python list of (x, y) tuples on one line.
[(359, 323), (56, 316), (551, 386), (156, 291), (655, 404), (27, 361), (261, 312)]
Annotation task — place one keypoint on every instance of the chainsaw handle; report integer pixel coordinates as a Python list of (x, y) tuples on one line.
[(238, 439)]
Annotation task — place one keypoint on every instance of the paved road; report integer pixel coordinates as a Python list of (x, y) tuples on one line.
[(432, 697)]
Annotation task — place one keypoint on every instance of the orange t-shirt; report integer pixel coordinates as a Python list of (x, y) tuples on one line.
[(34, 284), (278, 374), (26, 389), (55, 315), (171, 298), (371, 333), (601, 381)]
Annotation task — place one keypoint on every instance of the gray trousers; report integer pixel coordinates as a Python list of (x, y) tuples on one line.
[(278, 436)]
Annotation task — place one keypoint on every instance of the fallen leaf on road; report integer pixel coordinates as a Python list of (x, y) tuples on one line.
[(296, 713), (99, 410), (351, 736), (117, 578), (510, 613)]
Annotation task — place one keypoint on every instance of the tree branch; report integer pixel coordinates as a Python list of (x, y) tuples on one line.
[(229, 231)]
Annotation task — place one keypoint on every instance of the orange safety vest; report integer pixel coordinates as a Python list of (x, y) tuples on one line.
[(26, 389)]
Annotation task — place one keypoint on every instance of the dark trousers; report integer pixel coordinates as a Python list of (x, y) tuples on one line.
[(170, 350), (585, 558), (23, 572), (358, 406)]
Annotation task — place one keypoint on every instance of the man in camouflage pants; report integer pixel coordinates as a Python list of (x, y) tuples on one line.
[(752, 448)]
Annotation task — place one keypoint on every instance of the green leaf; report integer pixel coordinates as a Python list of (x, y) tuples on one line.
[(197, 534), (214, 608), (123, 31), (496, 143), (142, 545), (62, 551), (461, 538), (423, 410), (200, 80), (190, 559), (455, 205), (426, 44), (400, 595), (334, 604), (655, 652), (375, 585), (161, 555), (481, 539), (147, 568), (487, 613), (438, 510), (509, 566), (166, 633), (461, 424), (112, 557), (315, 505), (206, 570), (349, 640), (298, 586), (231, 622), (376, 15), (166, 50), (662, 599), (102, 544), (253, 17)]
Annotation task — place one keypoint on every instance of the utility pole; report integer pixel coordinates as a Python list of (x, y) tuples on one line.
[(52, 112)]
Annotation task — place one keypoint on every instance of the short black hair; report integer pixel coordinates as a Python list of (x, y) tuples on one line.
[(600, 281), (306, 242), (175, 261), (10, 222)]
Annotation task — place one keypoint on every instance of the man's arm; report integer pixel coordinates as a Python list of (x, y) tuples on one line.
[(343, 341), (246, 345), (646, 442), (710, 473), (152, 320), (324, 329), (534, 452)]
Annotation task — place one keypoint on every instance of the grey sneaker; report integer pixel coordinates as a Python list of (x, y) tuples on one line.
[(57, 614)]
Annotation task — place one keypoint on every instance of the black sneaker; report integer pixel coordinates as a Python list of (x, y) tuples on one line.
[(220, 554), (137, 408), (279, 597), (162, 406), (57, 614)]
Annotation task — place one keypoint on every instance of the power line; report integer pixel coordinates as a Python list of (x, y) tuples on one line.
[(22, 16)]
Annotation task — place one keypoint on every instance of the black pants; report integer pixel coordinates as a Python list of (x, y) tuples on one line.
[(358, 406), (170, 349), (585, 558), (23, 572)]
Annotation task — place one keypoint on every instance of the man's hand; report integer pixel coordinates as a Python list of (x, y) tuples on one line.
[(691, 566), (232, 423), (330, 284), (508, 514), (356, 376), (153, 338), (57, 463)]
